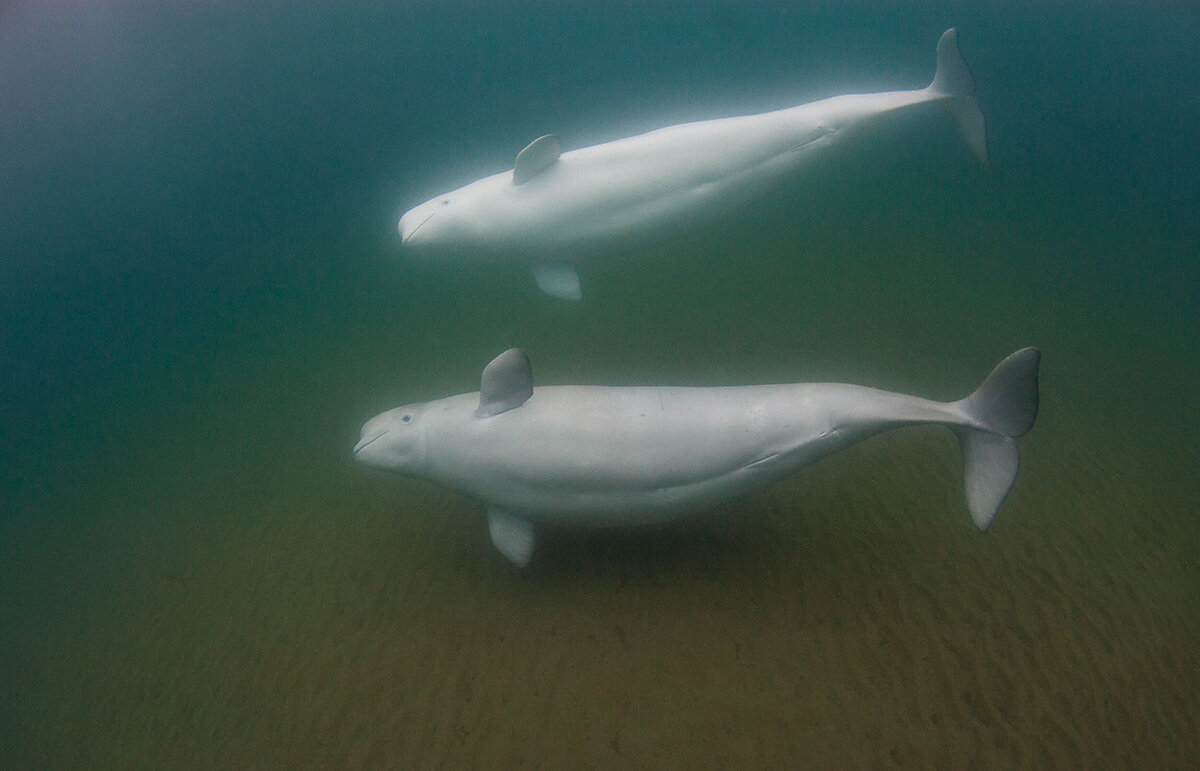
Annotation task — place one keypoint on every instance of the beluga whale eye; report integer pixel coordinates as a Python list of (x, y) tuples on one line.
[(445, 202), (406, 418)]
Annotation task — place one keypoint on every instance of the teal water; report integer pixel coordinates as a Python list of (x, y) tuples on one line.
[(203, 298)]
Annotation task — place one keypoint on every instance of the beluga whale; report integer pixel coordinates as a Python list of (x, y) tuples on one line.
[(595, 456), (554, 207)]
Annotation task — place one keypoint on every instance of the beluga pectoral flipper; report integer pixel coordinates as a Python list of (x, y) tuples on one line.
[(594, 456), (555, 208)]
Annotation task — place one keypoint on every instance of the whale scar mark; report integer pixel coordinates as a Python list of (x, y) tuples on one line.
[(762, 461)]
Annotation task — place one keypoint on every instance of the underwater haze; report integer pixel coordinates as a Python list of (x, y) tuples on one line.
[(203, 297)]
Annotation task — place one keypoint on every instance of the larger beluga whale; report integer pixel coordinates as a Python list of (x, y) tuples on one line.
[(556, 207), (622, 456)]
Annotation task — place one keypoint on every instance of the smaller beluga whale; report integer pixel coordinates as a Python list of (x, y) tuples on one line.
[(555, 208), (594, 456)]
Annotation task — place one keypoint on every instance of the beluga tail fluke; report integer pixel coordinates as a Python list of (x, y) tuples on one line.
[(557, 207), (596, 456)]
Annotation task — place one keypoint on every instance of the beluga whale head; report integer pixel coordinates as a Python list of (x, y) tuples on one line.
[(501, 213), (395, 440), (439, 224)]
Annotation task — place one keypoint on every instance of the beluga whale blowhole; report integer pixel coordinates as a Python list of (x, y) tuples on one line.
[(554, 208), (596, 456)]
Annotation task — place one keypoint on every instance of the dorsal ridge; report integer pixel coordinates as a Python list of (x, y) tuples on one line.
[(506, 384), (538, 155)]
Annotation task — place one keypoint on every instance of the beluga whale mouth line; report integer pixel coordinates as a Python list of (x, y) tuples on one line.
[(406, 237), (365, 442), (555, 208), (594, 456)]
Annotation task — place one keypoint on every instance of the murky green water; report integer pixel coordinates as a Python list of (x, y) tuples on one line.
[(203, 299)]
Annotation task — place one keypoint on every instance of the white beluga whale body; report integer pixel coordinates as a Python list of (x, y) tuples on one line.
[(621, 456), (556, 207)]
